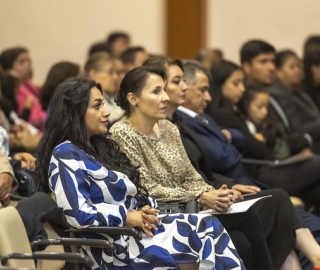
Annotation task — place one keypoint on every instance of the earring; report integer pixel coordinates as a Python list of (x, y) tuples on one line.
[(136, 105)]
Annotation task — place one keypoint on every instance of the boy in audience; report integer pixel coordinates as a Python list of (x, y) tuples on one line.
[(258, 61)]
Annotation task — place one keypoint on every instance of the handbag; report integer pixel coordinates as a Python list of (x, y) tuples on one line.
[(178, 207), (26, 186)]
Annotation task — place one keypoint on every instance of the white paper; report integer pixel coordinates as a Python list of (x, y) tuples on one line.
[(236, 208)]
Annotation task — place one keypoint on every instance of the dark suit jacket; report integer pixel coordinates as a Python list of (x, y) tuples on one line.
[(301, 112), (224, 158), (198, 154)]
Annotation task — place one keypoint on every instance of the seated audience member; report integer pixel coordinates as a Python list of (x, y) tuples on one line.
[(18, 161), (10, 89), (258, 61), (299, 109), (98, 47), (222, 145), (134, 57), (228, 83), (17, 63), (100, 67), (154, 145), (23, 136), (117, 43), (58, 73), (76, 157), (209, 57)]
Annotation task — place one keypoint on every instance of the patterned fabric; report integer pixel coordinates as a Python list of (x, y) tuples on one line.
[(4, 141), (165, 169), (91, 194)]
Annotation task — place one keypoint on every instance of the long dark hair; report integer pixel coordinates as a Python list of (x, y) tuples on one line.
[(9, 56), (134, 81), (66, 122), (220, 72), (311, 58), (58, 73), (9, 87)]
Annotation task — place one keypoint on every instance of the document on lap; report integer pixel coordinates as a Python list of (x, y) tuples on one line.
[(235, 208)]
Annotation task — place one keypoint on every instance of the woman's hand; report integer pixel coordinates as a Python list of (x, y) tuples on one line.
[(246, 188), (145, 218), (28, 140), (219, 200), (150, 217), (27, 160)]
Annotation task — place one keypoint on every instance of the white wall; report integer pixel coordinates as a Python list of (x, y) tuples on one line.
[(56, 30), (284, 23)]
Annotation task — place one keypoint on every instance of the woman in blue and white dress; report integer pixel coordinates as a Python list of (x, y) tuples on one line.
[(96, 184)]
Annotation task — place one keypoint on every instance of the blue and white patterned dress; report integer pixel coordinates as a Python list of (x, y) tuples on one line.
[(90, 194)]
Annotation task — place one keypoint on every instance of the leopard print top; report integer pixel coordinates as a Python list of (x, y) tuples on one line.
[(165, 169)]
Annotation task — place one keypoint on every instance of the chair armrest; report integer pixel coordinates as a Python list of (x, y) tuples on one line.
[(109, 230), (98, 243), (258, 162), (276, 163), (68, 257)]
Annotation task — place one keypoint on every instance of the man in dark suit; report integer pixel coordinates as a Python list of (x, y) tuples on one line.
[(222, 145)]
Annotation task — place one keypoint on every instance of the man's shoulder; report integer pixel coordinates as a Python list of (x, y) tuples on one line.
[(278, 90)]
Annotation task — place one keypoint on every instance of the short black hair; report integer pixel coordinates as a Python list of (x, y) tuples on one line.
[(112, 37), (252, 48), (98, 47), (129, 55)]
